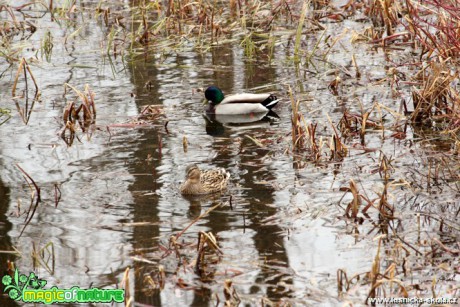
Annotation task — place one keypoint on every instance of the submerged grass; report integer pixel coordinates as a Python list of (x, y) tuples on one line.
[(47, 46), (5, 115)]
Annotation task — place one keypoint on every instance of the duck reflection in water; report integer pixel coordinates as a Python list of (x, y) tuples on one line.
[(217, 124)]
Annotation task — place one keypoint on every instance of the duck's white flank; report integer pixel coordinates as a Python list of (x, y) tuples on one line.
[(244, 103), (240, 108), (245, 97)]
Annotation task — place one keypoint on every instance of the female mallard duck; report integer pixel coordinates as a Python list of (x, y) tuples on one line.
[(198, 182), (238, 103)]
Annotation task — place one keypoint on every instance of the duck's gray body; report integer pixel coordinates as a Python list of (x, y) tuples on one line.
[(244, 103)]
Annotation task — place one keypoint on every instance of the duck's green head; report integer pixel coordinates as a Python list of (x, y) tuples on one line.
[(214, 95)]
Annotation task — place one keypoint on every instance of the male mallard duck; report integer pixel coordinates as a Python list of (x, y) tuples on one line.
[(198, 182), (238, 103)]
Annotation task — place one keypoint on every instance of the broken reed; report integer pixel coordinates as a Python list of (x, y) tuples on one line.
[(208, 253), (25, 69), (83, 113), (385, 13), (303, 135), (231, 296), (297, 119), (125, 284), (87, 105), (384, 208)]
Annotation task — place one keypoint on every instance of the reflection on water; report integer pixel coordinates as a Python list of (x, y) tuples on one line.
[(217, 124), (120, 200), (5, 240), (131, 177), (174, 212)]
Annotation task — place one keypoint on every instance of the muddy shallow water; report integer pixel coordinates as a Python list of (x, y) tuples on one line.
[(284, 236)]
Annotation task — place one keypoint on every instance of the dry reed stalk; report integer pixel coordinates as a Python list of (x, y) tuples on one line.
[(23, 65), (354, 205), (375, 270), (43, 256), (338, 149), (341, 281), (385, 209), (71, 115), (87, 102), (385, 13), (125, 284), (231, 296), (57, 195), (207, 247), (297, 131), (379, 279), (185, 143)]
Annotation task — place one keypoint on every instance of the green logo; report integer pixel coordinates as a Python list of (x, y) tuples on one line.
[(29, 289)]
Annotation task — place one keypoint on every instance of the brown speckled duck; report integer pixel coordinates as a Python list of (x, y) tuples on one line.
[(198, 182)]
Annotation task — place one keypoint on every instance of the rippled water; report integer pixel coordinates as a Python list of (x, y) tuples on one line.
[(283, 233)]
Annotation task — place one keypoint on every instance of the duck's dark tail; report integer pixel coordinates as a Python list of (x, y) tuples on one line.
[(270, 102)]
